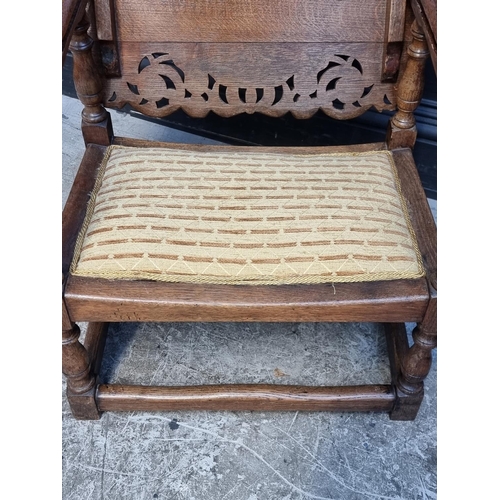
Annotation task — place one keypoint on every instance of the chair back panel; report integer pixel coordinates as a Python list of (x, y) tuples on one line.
[(251, 20), (246, 56)]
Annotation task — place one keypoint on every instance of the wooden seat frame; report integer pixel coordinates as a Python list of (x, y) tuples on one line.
[(100, 301)]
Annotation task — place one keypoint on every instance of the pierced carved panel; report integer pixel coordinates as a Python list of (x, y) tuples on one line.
[(343, 80)]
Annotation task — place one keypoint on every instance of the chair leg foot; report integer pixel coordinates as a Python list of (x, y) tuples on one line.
[(406, 406), (80, 379), (83, 406)]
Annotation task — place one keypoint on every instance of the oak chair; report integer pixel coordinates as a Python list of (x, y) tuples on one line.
[(168, 232)]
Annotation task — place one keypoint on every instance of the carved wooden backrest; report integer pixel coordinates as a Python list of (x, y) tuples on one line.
[(246, 56)]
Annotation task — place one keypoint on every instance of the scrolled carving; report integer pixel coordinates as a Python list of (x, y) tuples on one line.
[(158, 83), (341, 85)]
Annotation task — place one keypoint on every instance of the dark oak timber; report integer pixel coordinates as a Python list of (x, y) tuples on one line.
[(72, 10), (293, 77), (397, 347), (76, 366), (96, 123), (75, 208), (426, 15), (95, 340), (405, 405), (91, 299), (402, 132), (245, 397), (410, 365), (252, 21), (228, 57), (415, 365)]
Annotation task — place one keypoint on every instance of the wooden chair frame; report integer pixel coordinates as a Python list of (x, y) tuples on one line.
[(100, 301)]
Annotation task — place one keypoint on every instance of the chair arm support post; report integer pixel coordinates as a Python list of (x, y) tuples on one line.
[(96, 122), (402, 131), (71, 12)]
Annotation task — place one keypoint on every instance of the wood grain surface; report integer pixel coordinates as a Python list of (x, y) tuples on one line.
[(245, 397), (426, 14), (92, 299), (342, 79), (251, 20)]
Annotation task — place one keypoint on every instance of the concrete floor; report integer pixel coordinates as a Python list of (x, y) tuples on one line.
[(241, 455)]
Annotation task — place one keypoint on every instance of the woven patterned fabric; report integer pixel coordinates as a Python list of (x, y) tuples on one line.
[(246, 218)]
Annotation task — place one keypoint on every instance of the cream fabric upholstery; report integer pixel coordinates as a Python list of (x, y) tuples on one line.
[(246, 218)]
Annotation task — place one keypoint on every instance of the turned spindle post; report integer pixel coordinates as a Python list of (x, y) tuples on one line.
[(416, 364), (81, 382), (96, 122), (402, 131)]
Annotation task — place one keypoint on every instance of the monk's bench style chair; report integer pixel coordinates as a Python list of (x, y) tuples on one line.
[(156, 232)]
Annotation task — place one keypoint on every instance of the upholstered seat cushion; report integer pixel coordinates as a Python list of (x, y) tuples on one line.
[(179, 215)]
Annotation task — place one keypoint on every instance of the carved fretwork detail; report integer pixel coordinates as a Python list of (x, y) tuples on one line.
[(338, 84)]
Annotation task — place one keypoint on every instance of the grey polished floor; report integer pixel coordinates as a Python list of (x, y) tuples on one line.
[(241, 455)]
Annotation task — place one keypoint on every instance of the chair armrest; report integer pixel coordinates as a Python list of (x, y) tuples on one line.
[(71, 13)]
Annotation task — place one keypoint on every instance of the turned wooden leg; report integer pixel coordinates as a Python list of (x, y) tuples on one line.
[(96, 121), (415, 365), (77, 369), (402, 131)]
